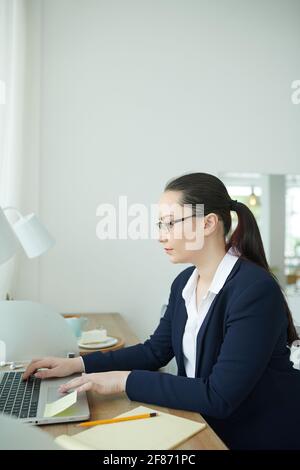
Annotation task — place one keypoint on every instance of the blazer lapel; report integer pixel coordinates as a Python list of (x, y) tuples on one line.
[(205, 323), (180, 322), (181, 319), (202, 332)]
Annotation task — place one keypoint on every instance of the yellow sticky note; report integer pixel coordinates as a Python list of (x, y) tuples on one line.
[(52, 409)]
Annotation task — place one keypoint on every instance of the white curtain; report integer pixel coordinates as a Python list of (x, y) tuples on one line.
[(12, 98)]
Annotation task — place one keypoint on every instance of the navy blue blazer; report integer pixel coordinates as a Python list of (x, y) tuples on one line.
[(245, 386)]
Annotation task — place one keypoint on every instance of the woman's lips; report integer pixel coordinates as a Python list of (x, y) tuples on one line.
[(168, 250)]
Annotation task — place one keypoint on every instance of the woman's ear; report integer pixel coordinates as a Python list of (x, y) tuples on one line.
[(210, 223)]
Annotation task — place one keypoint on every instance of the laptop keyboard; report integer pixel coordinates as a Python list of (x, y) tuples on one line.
[(17, 397)]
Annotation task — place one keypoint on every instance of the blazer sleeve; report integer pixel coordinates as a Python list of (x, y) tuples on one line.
[(154, 353), (253, 327)]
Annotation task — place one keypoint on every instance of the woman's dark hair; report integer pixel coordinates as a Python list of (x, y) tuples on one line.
[(203, 188)]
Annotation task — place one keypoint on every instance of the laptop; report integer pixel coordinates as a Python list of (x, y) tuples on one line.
[(26, 400)]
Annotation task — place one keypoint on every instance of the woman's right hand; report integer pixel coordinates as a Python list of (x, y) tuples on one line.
[(56, 367)]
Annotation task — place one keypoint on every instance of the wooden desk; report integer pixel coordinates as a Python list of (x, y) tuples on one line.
[(102, 407)]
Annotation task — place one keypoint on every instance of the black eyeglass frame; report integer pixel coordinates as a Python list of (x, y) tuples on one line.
[(170, 224)]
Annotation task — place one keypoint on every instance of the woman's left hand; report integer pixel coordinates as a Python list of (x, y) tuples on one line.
[(104, 383)]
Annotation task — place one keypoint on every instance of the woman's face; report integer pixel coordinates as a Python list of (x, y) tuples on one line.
[(185, 238)]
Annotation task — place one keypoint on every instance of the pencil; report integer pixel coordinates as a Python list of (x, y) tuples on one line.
[(116, 420)]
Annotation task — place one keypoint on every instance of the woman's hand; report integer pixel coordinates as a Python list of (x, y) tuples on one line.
[(56, 367), (104, 383)]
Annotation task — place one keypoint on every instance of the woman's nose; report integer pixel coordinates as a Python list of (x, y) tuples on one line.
[(163, 237)]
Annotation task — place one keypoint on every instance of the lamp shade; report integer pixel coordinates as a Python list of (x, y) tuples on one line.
[(33, 236), (8, 242)]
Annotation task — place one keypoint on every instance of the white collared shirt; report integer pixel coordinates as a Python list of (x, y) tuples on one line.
[(196, 317)]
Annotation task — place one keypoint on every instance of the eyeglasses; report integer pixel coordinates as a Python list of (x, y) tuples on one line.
[(169, 225)]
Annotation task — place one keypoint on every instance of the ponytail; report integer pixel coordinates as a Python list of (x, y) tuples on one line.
[(246, 238), (203, 188)]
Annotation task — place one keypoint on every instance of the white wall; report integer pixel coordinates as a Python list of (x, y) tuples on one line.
[(133, 93)]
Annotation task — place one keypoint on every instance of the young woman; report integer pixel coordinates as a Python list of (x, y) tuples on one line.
[(227, 323)]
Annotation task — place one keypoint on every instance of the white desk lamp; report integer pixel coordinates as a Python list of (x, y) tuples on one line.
[(32, 236), (8, 242), (28, 230)]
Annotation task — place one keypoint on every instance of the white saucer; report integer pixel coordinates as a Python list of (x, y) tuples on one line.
[(110, 341)]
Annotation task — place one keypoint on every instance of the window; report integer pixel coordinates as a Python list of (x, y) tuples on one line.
[(292, 238)]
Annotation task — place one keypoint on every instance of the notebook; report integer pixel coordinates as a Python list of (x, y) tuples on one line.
[(162, 432)]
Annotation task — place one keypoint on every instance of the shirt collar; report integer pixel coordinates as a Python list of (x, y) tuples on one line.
[(223, 270)]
